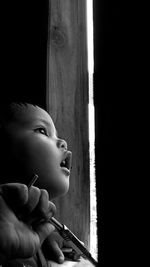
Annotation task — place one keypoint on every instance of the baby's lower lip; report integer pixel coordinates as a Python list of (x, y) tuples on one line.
[(66, 171)]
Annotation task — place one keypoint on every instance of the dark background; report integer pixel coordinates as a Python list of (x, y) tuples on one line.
[(108, 91), (23, 31)]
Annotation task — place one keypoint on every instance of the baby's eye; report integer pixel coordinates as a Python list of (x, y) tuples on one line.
[(41, 130)]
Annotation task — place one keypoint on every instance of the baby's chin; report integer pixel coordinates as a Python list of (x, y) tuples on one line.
[(56, 186), (53, 194), (54, 190)]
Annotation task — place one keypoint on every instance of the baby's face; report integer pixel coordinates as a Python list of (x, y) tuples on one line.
[(35, 148)]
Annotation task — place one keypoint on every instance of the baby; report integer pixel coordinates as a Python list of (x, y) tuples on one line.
[(29, 145)]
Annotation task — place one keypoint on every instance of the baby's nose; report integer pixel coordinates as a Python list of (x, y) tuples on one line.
[(62, 144)]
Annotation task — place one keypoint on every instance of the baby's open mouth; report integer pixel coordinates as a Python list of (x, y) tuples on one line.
[(67, 161)]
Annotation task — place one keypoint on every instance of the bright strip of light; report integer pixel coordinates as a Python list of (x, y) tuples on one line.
[(93, 207)]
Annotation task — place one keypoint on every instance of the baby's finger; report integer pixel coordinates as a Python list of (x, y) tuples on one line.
[(15, 194), (52, 247), (44, 230), (57, 252), (43, 204), (34, 194), (44, 209), (52, 209), (28, 209)]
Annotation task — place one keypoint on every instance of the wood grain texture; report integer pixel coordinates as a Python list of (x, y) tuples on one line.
[(67, 102)]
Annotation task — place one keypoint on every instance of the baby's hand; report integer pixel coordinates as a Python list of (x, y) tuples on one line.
[(57, 249), (52, 247), (20, 208)]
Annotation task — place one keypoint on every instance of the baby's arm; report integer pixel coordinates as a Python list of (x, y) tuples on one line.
[(20, 238)]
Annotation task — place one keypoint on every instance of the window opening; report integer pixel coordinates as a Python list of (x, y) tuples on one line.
[(91, 111)]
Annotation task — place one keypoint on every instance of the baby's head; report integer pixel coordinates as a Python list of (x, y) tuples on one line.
[(29, 145)]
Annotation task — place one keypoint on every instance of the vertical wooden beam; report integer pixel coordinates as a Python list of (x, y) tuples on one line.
[(67, 102)]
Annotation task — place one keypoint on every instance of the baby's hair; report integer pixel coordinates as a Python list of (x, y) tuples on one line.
[(7, 115), (8, 111)]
